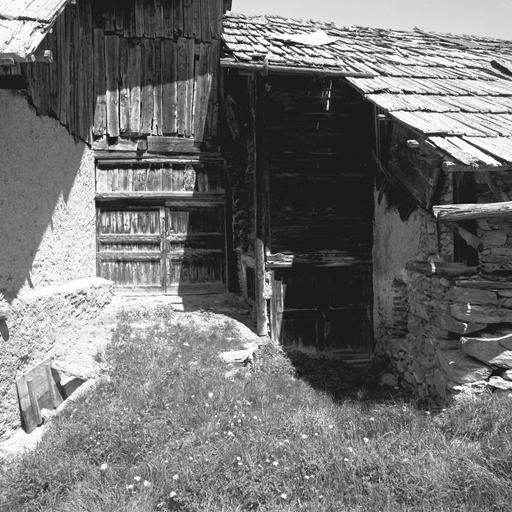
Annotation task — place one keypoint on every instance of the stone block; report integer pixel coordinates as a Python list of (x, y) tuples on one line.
[(462, 368), (487, 350), (440, 382), (495, 238), (507, 375), (502, 251), (505, 293), (446, 321), (499, 383), (388, 379), (471, 313), (472, 296)]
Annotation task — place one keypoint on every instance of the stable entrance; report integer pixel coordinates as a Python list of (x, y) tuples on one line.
[(169, 240)]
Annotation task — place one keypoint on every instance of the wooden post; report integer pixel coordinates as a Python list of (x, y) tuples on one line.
[(260, 206)]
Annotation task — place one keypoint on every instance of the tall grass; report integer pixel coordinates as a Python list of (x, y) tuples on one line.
[(178, 429)]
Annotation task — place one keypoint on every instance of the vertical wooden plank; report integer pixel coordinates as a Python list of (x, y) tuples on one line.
[(124, 96), (89, 69), (159, 18), (129, 17), (149, 19), (108, 10), (189, 109), (147, 101), (216, 10), (100, 85), (204, 82), (168, 18), (120, 8), (206, 34), (111, 65), (178, 17), (196, 13), (182, 84), (33, 401), (157, 89), (188, 19), (51, 385), (73, 81), (53, 71), (66, 50), (139, 18), (134, 86), (169, 87)]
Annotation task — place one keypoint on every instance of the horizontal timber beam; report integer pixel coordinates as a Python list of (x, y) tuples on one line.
[(441, 268), (454, 167), (457, 212), (292, 70), (169, 196)]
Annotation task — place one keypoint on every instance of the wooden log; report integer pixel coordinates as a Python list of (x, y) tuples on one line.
[(471, 239), (441, 268), (458, 212), (497, 192), (169, 89), (112, 71), (455, 167), (292, 70)]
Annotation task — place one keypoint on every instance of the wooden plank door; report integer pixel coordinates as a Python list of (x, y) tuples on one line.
[(130, 248), (323, 308), (195, 247)]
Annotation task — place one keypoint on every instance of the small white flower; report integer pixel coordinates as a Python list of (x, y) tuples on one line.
[(350, 449), (210, 395), (284, 496), (230, 433), (129, 487), (306, 477), (238, 458), (331, 427), (366, 440), (172, 494), (275, 463), (346, 460), (136, 478), (304, 436), (146, 483), (372, 419), (104, 467), (175, 477)]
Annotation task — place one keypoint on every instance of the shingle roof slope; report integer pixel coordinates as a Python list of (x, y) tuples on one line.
[(24, 23), (455, 90)]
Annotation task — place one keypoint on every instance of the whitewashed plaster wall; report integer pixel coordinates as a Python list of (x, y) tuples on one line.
[(47, 211)]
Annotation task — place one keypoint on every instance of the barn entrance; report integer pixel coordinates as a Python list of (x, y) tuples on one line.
[(161, 226)]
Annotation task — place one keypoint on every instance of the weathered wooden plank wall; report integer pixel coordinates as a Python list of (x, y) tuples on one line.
[(132, 69)]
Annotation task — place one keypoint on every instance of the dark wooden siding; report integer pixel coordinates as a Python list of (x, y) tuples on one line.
[(132, 68), (320, 185)]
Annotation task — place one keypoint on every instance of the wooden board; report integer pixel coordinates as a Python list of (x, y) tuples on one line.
[(322, 308), (37, 390)]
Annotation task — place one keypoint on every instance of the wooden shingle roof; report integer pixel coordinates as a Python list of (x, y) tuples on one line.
[(24, 24), (454, 90)]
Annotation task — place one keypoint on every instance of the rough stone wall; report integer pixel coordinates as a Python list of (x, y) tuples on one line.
[(405, 302), (458, 333), (47, 205), (62, 321)]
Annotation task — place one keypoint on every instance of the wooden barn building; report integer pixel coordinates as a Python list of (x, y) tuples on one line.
[(353, 184)]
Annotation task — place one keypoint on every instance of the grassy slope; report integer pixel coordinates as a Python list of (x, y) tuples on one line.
[(259, 439)]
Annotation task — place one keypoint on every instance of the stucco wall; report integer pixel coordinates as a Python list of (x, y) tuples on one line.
[(47, 232), (396, 243)]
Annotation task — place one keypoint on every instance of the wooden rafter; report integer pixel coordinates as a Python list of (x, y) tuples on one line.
[(458, 212)]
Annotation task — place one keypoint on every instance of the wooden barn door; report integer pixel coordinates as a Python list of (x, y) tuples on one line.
[(323, 308), (130, 247), (195, 247)]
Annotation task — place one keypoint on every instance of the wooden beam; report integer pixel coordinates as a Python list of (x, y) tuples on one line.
[(497, 192), (471, 239), (292, 70), (19, 82), (441, 268), (173, 145), (458, 212), (179, 197), (260, 204), (455, 167)]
